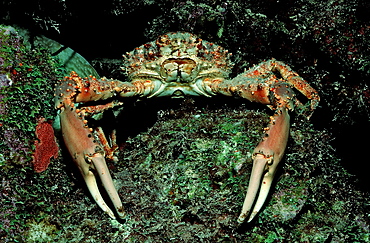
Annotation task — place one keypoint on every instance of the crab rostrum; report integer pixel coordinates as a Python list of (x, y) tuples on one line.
[(179, 64)]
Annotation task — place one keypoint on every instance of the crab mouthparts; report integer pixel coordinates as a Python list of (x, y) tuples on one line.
[(178, 94)]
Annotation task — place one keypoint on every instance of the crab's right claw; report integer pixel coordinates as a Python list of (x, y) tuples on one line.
[(89, 157)]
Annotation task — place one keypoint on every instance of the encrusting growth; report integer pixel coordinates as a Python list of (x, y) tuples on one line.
[(46, 146)]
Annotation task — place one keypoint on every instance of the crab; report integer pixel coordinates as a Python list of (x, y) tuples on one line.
[(179, 64)]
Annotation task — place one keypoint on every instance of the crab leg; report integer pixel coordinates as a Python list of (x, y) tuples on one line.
[(267, 156), (268, 153), (87, 146), (89, 156)]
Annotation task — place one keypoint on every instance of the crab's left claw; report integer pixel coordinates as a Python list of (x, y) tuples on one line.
[(267, 156)]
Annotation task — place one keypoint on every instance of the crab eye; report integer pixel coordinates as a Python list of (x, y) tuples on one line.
[(162, 40), (176, 42), (197, 41)]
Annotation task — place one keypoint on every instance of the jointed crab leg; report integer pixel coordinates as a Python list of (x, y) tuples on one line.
[(267, 156), (84, 143), (89, 156), (261, 85)]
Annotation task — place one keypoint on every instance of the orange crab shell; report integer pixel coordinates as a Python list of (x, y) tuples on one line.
[(152, 55)]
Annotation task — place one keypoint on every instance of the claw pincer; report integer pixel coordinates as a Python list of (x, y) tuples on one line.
[(179, 64), (82, 144), (266, 157)]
